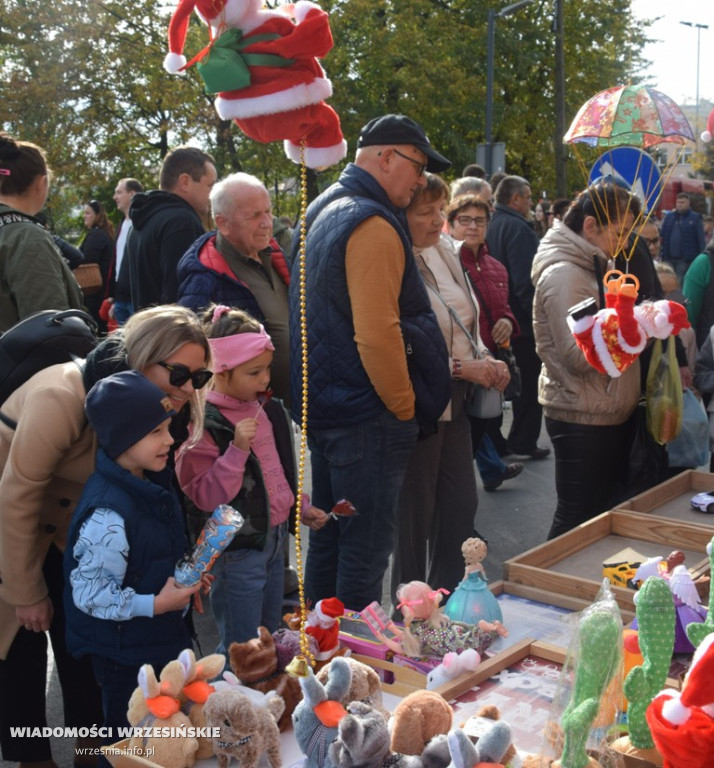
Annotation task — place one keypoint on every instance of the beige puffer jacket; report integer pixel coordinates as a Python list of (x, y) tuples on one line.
[(569, 389)]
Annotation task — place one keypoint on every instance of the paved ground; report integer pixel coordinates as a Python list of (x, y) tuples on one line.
[(514, 518)]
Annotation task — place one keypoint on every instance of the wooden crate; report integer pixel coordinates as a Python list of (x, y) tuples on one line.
[(671, 499), (571, 565)]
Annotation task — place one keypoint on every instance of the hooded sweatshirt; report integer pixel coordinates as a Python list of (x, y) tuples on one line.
[(164, 226), (569, 388)]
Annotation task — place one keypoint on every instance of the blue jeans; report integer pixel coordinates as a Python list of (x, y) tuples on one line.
[(366, 464), (123, 310), (490, 465), (248, 590)]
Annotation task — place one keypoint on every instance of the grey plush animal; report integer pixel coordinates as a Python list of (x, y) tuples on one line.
[(316, 728), (249, 733), (491, 747), (363, 742)]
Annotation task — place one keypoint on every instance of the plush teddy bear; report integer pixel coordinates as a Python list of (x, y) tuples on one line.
[(417, 719), (265, 71), (156, 705), (612, 338), (196, 690), (365, 686), (317, 716), (249, 733), (255, 664)]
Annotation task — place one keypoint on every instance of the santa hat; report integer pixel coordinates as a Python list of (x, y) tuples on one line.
[(698, 690), (663, 318), (178, 26), (707, 135), (329, 608)]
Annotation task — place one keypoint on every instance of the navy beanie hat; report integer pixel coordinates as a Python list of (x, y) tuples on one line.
[(123, 408)]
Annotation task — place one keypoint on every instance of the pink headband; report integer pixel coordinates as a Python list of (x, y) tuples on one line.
[(229, 351)]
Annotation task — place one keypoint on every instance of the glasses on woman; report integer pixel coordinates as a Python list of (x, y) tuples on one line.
[(180, 374), (467, 221), (652, 242)]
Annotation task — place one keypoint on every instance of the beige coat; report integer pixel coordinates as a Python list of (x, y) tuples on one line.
[(569, 388), (44, 463)]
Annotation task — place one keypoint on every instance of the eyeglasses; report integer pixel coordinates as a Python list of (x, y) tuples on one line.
[(180, 374), (651, 241), (467, 221), (420, 166)]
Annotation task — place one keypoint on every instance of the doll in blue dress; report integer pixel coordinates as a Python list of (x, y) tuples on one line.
[(472, 601)]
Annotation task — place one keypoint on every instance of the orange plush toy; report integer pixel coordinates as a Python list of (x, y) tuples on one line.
[(264, 69)]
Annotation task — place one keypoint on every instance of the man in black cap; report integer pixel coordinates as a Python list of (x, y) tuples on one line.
[(378, 366)]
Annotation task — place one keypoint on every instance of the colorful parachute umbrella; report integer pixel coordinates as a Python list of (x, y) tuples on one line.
[(629, 115)]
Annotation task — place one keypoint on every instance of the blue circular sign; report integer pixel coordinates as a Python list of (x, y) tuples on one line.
[(635, 168)]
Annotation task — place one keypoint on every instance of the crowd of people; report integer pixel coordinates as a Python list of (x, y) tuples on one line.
[(415, 289)]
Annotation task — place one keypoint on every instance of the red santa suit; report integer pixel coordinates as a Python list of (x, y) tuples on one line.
[(682, 723), (283, 101), (323, 625)]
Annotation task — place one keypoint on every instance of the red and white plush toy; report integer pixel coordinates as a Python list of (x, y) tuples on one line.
[(612, 338), (264, 69), (323, 624), (682, 723)]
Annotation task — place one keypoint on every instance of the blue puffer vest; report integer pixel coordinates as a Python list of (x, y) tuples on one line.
[(339, 389), (155, 532)]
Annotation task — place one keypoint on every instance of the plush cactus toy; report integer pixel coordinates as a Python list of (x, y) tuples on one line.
[(598, 660), (655, 621), (696, 632)]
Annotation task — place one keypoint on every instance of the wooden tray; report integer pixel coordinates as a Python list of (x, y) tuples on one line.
[(571, 565), (671, 499)]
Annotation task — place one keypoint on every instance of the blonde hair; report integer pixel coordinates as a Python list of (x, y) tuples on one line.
[(474, 551), (417, 600), (153, 335)]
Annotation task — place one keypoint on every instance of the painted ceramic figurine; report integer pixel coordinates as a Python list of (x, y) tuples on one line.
[(472, 600), (428, 632)]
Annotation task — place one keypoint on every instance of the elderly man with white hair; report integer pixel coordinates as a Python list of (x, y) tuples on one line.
[(240, 265)]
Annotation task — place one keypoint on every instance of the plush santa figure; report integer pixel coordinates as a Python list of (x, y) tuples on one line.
[(612, 338), (264, 70), (323, 624), (707, 135), (682, 723)]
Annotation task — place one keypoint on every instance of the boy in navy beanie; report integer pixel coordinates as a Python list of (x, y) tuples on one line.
[(126, 535)]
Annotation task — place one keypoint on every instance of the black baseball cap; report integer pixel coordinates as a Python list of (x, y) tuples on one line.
[(399, 129)]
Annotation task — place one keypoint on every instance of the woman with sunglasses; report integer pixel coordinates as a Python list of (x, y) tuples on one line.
[(33, 274), (468, 218), (98, 248), (44, 464)]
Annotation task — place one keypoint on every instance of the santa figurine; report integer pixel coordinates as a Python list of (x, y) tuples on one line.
[(324, 625), (682, 723), (264, 70)]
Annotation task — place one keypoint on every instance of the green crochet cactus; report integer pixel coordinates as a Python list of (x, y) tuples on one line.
[(598, 660), (696, 632), (655, 628)]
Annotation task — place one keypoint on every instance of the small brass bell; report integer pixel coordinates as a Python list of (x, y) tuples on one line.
[(298, 667)]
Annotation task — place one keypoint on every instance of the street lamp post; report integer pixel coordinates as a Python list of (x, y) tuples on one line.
[(492, 16), (699, 28)]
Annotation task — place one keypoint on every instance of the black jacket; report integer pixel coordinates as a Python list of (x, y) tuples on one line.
[(165, 225)]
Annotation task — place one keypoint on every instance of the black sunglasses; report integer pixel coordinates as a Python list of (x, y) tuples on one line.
[(180, 374)]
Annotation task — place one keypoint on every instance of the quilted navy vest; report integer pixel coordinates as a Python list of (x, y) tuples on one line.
[(155, 532), (339, 390)]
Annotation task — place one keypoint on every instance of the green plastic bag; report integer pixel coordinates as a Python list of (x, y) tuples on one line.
[(664, 393)]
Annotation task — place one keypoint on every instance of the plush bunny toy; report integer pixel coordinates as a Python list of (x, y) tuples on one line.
[(265, 71)]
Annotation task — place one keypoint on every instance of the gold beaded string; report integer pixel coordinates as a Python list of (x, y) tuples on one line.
[(299, 666)]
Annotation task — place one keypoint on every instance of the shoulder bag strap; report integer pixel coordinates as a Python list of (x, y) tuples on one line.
[(456, 319)]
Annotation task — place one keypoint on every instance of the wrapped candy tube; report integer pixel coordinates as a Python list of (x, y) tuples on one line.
[(217, 534)]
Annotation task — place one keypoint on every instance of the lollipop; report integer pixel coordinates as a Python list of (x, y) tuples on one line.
[(263, 398), (343, 508)]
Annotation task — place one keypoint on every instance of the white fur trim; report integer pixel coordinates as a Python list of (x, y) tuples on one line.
[(674, 712), (302, 8), (637, 348), (317, 157), (602, 351), (173, 63), (273, 103), (582, 325)]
